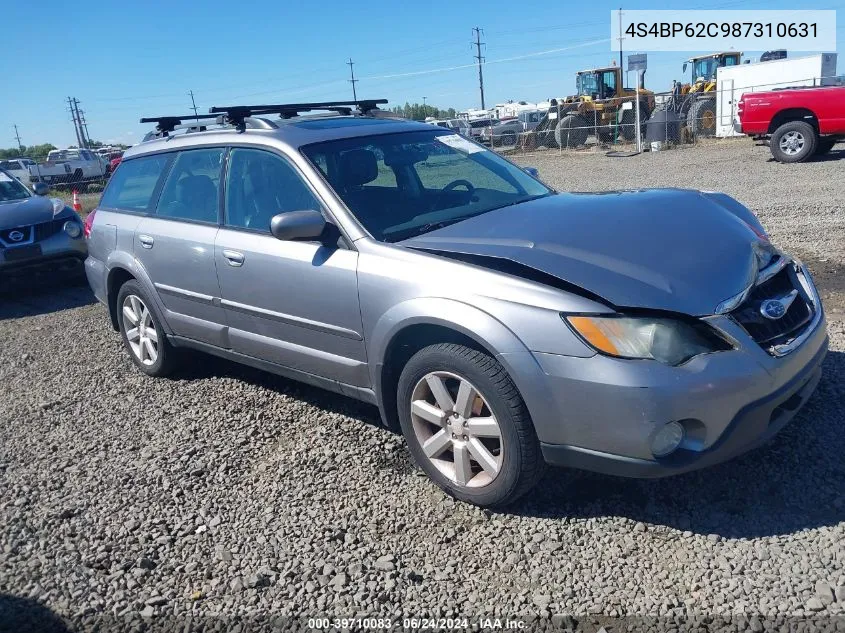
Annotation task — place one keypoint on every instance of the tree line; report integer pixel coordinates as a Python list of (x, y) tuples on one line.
[(419, 112)]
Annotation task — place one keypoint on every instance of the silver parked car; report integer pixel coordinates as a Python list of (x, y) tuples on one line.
[(38, 235), (500, 324)]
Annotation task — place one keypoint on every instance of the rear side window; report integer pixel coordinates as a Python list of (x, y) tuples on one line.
[(131, 187), (191, 189)]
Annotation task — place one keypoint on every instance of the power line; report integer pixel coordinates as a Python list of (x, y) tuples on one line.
[(480, 60), (353, 81)]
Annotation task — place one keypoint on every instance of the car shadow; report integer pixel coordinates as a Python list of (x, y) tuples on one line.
[(837, 153), (24, 615), (792, 483), (42, 298)]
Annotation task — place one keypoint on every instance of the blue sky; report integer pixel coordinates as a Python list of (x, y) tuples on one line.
[(126, 60)]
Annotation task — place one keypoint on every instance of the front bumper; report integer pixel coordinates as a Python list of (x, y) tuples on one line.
[(601, 413), (59, 255)]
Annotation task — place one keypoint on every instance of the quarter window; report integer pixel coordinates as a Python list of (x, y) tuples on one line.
[(191, 189), (132, 185), (261, 185)]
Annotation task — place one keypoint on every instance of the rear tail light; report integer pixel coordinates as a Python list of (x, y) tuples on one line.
[(89, 222)]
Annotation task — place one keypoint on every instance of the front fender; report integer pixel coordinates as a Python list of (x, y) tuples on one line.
[(480, 326)]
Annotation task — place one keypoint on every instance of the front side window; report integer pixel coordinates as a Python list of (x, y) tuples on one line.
[(191, 189), (132, 185), (402, 185), (260, 185)]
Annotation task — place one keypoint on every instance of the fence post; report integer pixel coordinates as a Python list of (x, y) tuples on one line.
[(637, 130)]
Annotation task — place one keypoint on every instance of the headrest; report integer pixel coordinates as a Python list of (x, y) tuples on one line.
[(196, 186), (358, 167)]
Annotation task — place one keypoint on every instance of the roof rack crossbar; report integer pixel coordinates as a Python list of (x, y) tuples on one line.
[(287, 110), (166, 124)]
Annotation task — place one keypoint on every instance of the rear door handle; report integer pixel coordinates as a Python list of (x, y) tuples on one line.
[(234, 258), (146, 241)]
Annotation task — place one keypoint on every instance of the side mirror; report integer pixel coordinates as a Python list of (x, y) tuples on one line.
[(298, 225), (41, 188), (532, 171)]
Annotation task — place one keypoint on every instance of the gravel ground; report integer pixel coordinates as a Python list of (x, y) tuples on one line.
[(225, 492)]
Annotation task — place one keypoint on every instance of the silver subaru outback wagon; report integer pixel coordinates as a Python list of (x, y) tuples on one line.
[(500, 324)]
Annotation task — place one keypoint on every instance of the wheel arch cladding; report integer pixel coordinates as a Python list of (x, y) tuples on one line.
[(116, 278), (415, 324)]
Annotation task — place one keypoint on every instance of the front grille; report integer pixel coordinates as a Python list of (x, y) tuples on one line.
[(770, 332), (23, 233), (48, 229)]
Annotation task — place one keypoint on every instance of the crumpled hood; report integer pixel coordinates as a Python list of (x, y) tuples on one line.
[(33, 210), (665, 249)]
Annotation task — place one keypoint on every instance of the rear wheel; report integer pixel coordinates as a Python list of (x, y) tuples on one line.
[(793, 142), (140, 328), (508, 138), (572, 131), (467, 426)]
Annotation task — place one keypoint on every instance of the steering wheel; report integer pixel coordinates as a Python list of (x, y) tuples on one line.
[(458, 183)]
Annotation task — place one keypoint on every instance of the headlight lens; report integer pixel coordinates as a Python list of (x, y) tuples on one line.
[(669, 341), (72, 229)]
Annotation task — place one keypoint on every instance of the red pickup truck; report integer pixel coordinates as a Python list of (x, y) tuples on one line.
[(797, 122)]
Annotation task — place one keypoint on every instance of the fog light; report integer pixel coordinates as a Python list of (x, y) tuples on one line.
[(72, 228), (667, 439)]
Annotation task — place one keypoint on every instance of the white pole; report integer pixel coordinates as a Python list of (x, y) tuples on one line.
[(637, 122)]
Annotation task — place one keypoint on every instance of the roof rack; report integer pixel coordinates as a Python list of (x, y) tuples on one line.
[(166, 124), (235, 115)]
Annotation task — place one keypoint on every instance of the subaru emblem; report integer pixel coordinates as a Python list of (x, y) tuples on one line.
[(16, 236), (772, 309)]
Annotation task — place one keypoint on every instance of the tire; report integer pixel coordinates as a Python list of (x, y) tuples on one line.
[(824, 144), (132, 296), (793, 142), (508, 138), (497, 469), (628, 127), (701, 118), (571, 131)]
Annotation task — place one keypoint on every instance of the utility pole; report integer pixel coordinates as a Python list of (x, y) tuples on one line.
[(353, 81), (193, 104), (425, 109), (621, 64), (83, 125), (18, 137), (480, 59), (70, 102)]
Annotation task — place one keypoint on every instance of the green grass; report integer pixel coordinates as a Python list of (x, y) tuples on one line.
[(87, 200)]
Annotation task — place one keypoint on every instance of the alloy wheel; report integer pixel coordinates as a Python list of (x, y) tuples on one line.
[(141, 332), (792, 142), (456, 429)]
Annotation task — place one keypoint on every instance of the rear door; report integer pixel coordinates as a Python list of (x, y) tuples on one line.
[(175, 245), (291, 303)]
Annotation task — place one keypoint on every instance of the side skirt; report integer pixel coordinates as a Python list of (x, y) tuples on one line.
[(358, 393)]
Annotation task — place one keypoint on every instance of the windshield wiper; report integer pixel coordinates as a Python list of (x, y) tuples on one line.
[(413, 231)]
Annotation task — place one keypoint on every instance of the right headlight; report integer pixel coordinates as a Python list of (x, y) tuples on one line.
[(670, 341)]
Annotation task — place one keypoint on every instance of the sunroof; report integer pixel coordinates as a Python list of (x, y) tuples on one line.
[(327, 124)]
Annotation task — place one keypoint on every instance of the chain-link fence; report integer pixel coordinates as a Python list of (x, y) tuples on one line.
[(661, 120), (65, 170)]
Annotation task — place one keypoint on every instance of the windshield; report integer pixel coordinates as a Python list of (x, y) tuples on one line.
[(587, 84), (705, 68), (402, 185), (11, 190)]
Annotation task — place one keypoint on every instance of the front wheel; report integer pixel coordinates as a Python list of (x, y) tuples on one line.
[(793, 142), (467, 426)]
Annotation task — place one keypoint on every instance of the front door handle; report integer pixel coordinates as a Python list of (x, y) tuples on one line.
[(146, 241), (234, 258)]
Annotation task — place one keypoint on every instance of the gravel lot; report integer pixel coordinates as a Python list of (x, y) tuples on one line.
[(225, 492)]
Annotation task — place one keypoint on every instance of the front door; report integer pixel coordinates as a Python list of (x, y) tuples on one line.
[(291, 303), (176, 246)]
